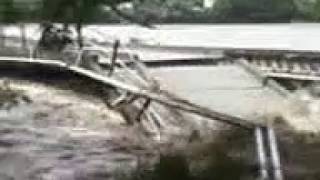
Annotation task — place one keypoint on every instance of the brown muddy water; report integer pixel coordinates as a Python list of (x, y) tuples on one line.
[(60, 128), (61, 131), (55, 133)]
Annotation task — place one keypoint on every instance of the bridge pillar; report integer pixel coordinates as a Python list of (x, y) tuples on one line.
[(268, 154)]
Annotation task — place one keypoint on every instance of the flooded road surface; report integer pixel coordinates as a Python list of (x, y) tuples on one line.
[(54, 133)]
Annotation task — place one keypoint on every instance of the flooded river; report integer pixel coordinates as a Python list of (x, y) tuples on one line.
[(292, 36), (52, 133)]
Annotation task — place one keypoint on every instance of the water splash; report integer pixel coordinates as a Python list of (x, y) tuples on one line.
[(301, 110), (60, 134)]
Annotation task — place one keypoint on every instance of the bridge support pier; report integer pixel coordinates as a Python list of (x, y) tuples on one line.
[(267, 154)]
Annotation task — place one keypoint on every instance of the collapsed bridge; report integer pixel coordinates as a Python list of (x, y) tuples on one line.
[(207, 79), (233, 86), (133, 86)]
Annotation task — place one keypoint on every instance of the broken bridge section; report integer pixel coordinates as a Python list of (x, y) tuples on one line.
[(147, 101)]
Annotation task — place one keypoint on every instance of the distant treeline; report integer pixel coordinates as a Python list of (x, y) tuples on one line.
[(161, 11), (238, 11)]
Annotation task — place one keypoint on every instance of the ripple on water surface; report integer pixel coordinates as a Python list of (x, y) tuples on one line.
[(54, 133)]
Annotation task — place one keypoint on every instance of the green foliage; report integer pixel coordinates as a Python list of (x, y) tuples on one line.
[(12, 11), (316, 11), (254, 10), (56, 10), (159, 11), (221, 10), (7, 11)]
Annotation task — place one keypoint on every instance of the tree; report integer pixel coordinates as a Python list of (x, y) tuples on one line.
[(316, 11), (79, 11), (7, 14), (254, 10), (16, 11), (305, 9), (222, 10)]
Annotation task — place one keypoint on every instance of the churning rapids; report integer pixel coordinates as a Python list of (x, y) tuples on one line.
[(49, 132)]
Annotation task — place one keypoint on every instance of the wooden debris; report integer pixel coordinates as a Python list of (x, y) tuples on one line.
[(145, 106), (180, 104), (114, 56)]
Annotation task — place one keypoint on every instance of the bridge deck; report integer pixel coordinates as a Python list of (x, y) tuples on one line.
[(225, 88)]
